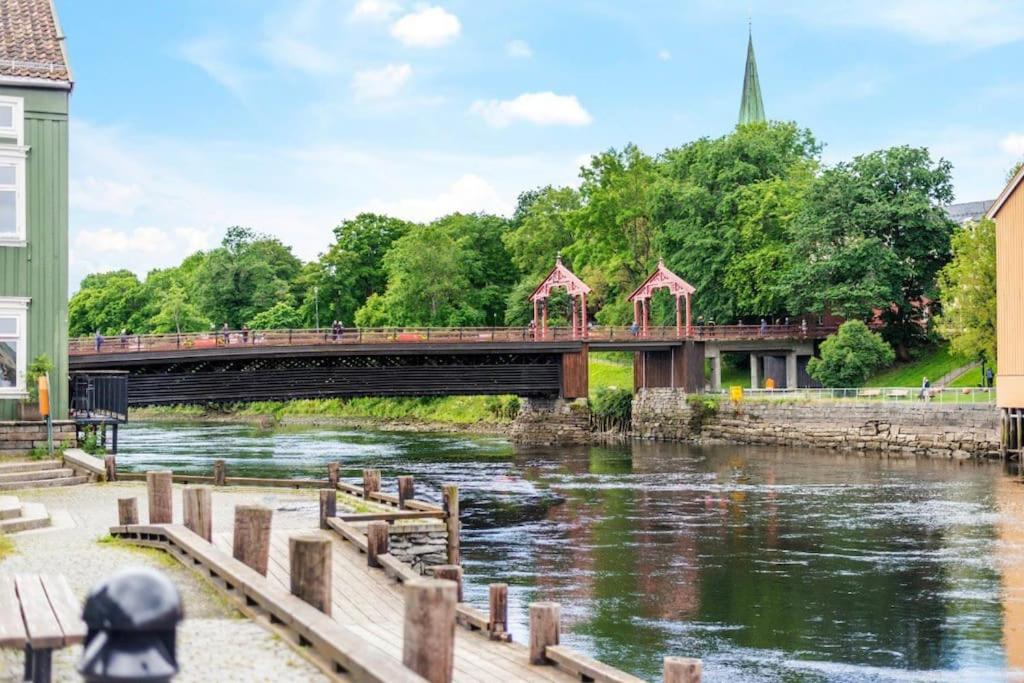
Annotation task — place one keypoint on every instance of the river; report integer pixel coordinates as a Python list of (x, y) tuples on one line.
[(768, 563)]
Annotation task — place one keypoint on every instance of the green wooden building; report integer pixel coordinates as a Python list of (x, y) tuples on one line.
[(35, 84)]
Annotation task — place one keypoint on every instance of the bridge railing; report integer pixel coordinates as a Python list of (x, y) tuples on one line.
[(431, 335), (934, 395)]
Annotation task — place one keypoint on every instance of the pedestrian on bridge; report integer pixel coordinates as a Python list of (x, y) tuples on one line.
[(99, 340), (764, 327), (227, 333)]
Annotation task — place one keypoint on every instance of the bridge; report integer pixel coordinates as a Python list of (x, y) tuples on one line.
[(263, 365)]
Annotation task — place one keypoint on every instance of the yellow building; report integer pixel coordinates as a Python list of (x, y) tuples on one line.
[(1008, 214)]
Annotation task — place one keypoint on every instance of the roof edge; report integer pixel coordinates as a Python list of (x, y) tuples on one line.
[(1005, 194), (60, 41), (32, 82)]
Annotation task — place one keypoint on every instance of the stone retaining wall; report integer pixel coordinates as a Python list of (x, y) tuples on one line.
[(895, 429), (419, 545), (546, 421), (18, 438)]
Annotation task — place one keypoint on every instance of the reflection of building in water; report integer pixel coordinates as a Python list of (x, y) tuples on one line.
[(1010, 555)]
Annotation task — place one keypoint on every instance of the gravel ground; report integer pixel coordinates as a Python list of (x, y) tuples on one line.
[(215, 643)]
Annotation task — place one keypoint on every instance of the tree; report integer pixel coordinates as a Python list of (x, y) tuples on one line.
[(105, 302), (352, 268), (967, 286), (542, 227), (281, 316), (726, 207), (850, 355), (247, 274), (176, 313), (872, 237)]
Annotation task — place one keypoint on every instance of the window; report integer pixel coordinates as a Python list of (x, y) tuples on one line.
[(12, 196), (13, 346), (12, 119)]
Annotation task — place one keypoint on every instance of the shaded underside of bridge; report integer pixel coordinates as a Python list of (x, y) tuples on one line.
[(253, 373)]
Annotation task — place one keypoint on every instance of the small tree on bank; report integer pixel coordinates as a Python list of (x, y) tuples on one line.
[(849, 356)]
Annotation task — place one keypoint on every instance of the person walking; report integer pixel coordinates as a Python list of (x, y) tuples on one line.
[(245, 334), (989, 376), (124, 337), (926, 385), (226, 331), (99, 341), (764, 327), (634, 328), (803, 327)]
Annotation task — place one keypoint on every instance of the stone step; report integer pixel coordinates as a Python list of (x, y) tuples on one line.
[(33, 516), (10, 507), (42, 483), (36, 476), (29, 466)]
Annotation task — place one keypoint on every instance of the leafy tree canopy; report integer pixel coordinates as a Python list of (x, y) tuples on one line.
[(967, 286), (849, 356)]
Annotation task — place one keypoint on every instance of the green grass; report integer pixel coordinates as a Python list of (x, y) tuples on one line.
[(609, 370), (932, 363), (971, 378), (735, 377), (6, 546)]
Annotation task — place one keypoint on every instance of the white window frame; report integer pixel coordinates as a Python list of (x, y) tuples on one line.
[(17, 307), (17, 129), (16, 155)]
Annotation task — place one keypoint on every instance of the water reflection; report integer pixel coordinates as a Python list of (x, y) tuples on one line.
[(770, 563)]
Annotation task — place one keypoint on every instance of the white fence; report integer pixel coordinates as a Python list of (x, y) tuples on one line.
[(945, 396)]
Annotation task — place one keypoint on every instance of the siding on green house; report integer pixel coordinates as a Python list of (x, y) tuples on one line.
[(40, 269)]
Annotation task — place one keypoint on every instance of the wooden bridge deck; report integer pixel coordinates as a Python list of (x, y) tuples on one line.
[(372, 605)]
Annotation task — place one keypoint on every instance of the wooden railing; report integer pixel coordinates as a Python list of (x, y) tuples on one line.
[(85, 346)]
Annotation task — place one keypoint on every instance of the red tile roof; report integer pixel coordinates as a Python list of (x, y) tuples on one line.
[(31, 41)]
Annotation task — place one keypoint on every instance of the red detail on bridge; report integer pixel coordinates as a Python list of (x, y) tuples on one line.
[(560, 277), (426, 336), (662, 278)]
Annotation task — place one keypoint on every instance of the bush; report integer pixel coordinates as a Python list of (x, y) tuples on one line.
[(502, 407), (849, 356), (612, 402), (40, 366)]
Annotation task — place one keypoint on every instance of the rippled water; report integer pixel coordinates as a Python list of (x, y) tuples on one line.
[(769, 563)]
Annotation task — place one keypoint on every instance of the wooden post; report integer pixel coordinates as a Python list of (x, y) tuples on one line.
[(371, 482), (310, 563), (158, 491), (127, 511), (220, 473), (451, 572), (682, 670), (332, 474), (406, 490), (497, 621), (428, 638), (328, 506), (451, 510), (545, 629), (251, 543), (377, 542), (110, 465), (197, 510)]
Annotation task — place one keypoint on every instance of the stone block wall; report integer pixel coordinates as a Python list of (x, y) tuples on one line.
[(546, 421), (419, 545), (18, 438), (895, 429)]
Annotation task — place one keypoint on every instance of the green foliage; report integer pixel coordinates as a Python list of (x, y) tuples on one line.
[(606, 371), (849, 356), (702, 408), (873, 235), (106, 302), (929, 361), (967, 286), (90, 442), (504, 408), (612, 402), (280, 316), (40, 366)]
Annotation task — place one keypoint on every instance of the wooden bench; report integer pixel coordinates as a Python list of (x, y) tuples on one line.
[(38, 614)]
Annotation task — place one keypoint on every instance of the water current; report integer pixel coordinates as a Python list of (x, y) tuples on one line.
[(771, 564)]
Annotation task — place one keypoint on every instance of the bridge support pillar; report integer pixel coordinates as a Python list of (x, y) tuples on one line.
[(755, 371), (791, 370), (716, 373)]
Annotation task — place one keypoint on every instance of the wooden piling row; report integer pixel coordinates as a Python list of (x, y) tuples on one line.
[(428, 636), (406, 491), (328, 506), (377, 542), (127, 511), (545, 629), (220, 473), (309, 558), (251, 543), (332, 474), (497, 621), (158, 494), (110, 467), (450, 504), (371, 482)]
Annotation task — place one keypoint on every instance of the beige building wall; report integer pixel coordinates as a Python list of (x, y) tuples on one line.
[(1009, 218)]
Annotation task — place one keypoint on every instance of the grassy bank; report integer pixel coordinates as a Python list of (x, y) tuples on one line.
[(932, 363)]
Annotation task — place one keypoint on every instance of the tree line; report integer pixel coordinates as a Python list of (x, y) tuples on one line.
[(753, 219)]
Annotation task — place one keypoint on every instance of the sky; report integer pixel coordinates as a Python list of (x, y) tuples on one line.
[(289, 116)]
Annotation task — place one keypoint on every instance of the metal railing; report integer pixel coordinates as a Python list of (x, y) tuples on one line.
[(934, 396), (82, 346), (99, 394)]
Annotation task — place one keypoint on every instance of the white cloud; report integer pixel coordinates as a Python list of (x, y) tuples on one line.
[(374, 10), (146, 240), (387, 81), (664, 55), (518, 49), (99, 194), (427, 27), (541, 109), (213, 55), (1013, 143), (468, 194), (974, 23)]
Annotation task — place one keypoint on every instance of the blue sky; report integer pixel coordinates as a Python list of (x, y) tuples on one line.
[(288, 116)]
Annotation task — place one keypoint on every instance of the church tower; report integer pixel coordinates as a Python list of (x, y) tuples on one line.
[(751, 106)]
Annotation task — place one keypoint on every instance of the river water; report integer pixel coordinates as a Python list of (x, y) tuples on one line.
[(768, 563)]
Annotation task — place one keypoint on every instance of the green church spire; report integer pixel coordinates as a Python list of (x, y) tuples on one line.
[(751, 106)]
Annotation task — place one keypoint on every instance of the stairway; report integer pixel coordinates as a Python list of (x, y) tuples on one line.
[(17, 516), (37, 475)]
